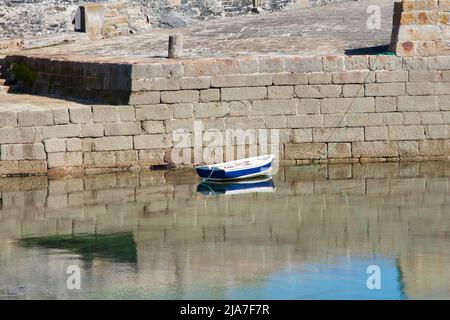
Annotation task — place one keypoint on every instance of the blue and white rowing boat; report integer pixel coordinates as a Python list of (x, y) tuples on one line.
[(238, 169)]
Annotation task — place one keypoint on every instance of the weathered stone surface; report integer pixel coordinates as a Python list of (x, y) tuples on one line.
[(339, 150), (152, 141), (338, 134), (65, 159), (80, 114), (305, 151), (385, 89), (273, 107), (23, 152), (113, 113), (209, 95), (347, 105), (375, 149), (30, 118), (179, 96), (413, 132), (154, 112), (55, 145), (417, 103), (153, 126), (113, 143), (61, 131), (122, 128), (92, 130), (318, 91), (253, 93), (210, 110), (146, 97), (289, 78)]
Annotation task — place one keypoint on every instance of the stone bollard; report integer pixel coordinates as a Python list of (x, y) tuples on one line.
[(175, 46)]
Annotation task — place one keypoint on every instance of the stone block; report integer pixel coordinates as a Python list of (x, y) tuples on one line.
[(113, 143), (153, 126), (353, 90), (151, 157), (434, 147), (31, 118), (385, 89), (437, 131), (374, 149), (92, 130), (201, 67), (385, 104), (209, 95), (390, 63), (122, 128), (308, 106), (228, 80), (347, 105), (338, 134), (195, 83), (319, 78), (179, 96), (333, 63), (8, 118), (280, 92), (60, 115), (113, 113), (246, 93), (145, 97), (156, 84), (289, 78), (12, 152), (417, 103), (17, 135), (65, 159), (61, 131), (183, 110), (248, 65), (210, 110), (272, 65), (258, 79), (357, 76), (339, 150), (298, 64), (318, 91), (302, 135), (239, 108), (273, 107), (80, 114), (305, 151), (55, 145), (413, 132), (154, 112), (152, 141), (425, 76), (74, 144), (376, 133), (304, 121), (356, 62), (275, 122), (391, 76)]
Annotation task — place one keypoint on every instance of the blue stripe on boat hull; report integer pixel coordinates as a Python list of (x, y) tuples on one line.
[(218, 174)]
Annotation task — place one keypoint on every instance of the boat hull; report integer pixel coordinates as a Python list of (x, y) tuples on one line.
[(219, 174)]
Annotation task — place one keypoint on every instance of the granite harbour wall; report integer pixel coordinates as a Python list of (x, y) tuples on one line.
[(327, 109)]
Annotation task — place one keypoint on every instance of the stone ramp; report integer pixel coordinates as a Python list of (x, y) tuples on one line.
[(331, 29)]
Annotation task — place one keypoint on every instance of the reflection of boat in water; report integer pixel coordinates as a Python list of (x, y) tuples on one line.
[(260, 184), (238, 169)]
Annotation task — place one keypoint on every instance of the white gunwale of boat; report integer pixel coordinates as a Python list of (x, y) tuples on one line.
[(242, 164)]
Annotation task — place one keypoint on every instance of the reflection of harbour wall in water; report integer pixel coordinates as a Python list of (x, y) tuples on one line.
[(183, 236)]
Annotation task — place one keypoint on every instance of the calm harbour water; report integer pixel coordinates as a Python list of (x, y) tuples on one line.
[(311, 233)]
